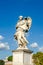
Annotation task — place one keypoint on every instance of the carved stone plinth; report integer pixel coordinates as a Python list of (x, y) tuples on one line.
[(22, 57)]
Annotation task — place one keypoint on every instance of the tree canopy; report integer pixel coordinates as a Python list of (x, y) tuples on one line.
[(2, 62), (38, 58), (10, 58)]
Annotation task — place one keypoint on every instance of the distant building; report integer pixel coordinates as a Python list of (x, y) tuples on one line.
[(8, 62)]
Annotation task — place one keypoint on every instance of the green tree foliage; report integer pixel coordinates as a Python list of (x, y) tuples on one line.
[(2, 62), (38, 58), (10, 58)]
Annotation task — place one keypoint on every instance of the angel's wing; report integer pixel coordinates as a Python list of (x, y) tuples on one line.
[(29, 22)]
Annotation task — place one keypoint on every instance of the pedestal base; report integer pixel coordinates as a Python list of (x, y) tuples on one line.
[(22, 57)]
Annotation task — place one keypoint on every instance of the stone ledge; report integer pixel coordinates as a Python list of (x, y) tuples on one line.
[(23, 50)]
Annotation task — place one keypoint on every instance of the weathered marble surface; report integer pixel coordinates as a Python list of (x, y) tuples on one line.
[(22, 57)]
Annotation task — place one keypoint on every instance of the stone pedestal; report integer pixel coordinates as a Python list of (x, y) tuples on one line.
[(22, 57)]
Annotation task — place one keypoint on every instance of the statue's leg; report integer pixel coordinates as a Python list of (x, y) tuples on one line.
[(21, 43), (19, 39), (24, 38)]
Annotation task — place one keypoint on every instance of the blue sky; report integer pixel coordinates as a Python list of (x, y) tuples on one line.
[(9, 12)]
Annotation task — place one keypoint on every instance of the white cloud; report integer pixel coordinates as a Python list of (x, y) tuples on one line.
[(34, 45), (1, 37), (41, 49), (4, 46)]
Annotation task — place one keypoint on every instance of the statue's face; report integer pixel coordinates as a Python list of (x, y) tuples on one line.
[(20, 18)]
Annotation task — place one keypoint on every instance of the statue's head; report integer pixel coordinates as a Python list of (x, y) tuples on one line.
[(20, 17)]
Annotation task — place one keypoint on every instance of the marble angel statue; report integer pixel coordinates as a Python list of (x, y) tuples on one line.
[(22, 27)]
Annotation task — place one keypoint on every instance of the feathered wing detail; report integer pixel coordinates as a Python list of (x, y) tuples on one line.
[(29, 22)]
